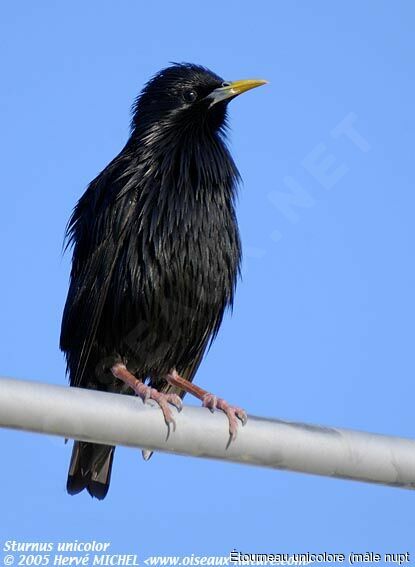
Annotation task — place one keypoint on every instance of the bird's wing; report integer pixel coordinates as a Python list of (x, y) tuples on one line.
[(89, 303), (99, 301), (92, 273)]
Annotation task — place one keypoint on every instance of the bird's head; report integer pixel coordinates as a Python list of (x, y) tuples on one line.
[(186, 94)]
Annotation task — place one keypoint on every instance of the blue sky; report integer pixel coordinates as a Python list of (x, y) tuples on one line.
[(323, 324)]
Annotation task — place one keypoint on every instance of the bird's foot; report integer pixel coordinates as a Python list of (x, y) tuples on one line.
[(233, 413), (162, 399), (210, 401), (146, 393)]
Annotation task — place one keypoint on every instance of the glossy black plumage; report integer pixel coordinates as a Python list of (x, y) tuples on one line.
[(156, 250)]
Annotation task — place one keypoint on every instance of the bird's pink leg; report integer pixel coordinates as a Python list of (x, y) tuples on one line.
[(145, 392), (210, 401)]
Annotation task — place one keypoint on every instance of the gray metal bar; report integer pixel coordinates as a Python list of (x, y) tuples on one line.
[(124, 420)]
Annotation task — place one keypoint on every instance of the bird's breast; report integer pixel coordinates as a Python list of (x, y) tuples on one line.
[(187, 255)]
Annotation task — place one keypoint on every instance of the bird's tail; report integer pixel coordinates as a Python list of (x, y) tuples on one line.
[(90, 468)]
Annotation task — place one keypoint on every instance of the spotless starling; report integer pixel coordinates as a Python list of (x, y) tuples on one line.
[(156, 256)]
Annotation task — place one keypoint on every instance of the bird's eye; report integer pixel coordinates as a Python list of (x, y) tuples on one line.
[(190, 96), (226, 84)]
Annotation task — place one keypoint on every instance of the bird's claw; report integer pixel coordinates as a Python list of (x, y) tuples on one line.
[(242, 415), (171, 425), (146, 454), (233, 413), (176, 401), (210, 401), (163, 400)]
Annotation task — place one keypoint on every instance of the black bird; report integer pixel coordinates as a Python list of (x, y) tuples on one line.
[(156, 256)]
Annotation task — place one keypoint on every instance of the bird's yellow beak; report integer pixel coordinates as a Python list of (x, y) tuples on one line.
[(230, 90)]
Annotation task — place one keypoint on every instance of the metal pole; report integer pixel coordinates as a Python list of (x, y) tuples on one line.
[(125, 420)]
